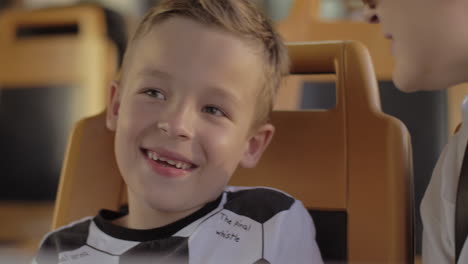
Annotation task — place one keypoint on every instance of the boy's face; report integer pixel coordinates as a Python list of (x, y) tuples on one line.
[(189, 97), (429, 42)]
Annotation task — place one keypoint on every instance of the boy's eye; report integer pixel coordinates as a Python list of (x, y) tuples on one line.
[(213, 111), (155, 93)]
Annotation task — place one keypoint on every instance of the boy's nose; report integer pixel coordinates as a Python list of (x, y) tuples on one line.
[(177, 124)]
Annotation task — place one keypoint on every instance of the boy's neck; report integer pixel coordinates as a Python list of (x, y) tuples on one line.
[(141, 216)]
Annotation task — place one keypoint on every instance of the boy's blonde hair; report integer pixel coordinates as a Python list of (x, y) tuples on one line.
[(240, 17)]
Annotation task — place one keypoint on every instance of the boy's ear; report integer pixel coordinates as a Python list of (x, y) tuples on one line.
[(113, 105), (256, 145)]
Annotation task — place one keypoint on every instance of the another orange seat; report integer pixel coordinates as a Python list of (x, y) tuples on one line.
[(85, 59)]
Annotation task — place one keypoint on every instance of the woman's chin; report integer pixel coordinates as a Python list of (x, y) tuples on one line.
[(414, 79), (405, 84)]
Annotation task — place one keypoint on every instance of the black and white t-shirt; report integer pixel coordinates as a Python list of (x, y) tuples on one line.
[(244, 225)]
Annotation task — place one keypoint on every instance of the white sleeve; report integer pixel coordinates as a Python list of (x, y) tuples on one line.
[(289, 237), (437, 244), (45, 255)]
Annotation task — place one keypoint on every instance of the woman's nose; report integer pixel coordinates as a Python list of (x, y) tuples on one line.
[(370, 13)]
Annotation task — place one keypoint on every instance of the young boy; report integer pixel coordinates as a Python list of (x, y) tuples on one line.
[(430, 46), (198, 84)]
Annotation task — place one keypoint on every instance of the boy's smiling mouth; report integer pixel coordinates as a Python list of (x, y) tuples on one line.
[(168, 165)]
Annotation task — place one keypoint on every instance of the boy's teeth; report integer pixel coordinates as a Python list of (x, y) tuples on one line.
[(177, 164)]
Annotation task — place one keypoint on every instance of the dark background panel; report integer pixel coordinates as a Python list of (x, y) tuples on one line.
[(33, 134), (4, 3), (331, 227)]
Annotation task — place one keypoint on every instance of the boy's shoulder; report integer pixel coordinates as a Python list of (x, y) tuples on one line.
[(73, 233), (257, 203), (66, 238)]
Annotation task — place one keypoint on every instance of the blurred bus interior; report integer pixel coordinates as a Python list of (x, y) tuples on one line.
[(79, 58)]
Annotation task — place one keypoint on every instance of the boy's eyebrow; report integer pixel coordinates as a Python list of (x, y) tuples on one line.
[(224, 93), (155, 73)]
